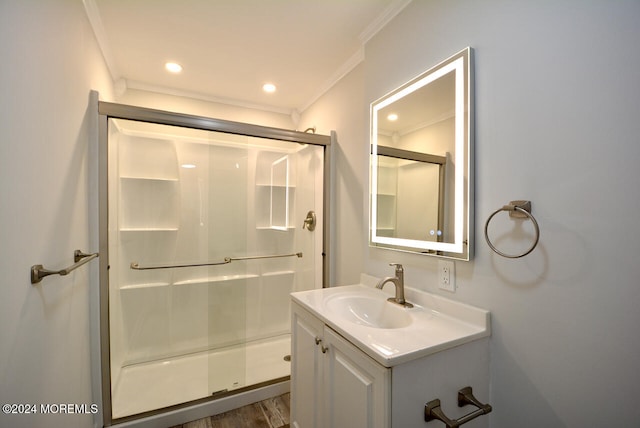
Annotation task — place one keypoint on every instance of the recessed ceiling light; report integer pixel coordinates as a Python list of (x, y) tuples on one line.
[(392, 117), (173, 67), (269, 87)]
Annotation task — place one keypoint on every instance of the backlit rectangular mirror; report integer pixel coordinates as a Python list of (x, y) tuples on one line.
[(421, 163)]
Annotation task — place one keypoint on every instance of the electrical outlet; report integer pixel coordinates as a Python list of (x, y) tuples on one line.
[(446, 275)]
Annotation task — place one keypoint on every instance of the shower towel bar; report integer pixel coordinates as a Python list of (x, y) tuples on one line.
[(136, 266), (38, 271)]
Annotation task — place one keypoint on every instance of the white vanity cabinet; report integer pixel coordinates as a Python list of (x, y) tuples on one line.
[(333, 383), (339, 380)]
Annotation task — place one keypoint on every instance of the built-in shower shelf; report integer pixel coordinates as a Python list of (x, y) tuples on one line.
[(145, 285), (210, 279), (279, 273), (149, 178), (281, 186), (148, 229)]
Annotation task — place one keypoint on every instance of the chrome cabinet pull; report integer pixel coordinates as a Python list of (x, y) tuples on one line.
[(323, 348)]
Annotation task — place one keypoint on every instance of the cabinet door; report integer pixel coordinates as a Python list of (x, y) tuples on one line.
[(306, 369), (356, 388)]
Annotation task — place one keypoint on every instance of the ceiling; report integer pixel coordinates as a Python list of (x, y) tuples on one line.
[(230, 48)]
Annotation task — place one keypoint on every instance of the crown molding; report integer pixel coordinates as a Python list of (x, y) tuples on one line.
[(383, 19), (371, 30), (342, 71), (132, 84), (93, 14)]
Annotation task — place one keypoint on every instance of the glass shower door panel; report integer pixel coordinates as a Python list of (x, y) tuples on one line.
[(232, 203), (147, 357), (284, 183), (228, 208)]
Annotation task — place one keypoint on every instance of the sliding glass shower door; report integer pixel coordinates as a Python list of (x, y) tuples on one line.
[(205, 243)]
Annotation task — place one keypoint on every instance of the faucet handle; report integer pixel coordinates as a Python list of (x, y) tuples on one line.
[(398, 266)]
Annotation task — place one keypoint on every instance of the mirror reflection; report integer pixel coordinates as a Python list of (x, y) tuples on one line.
[(420, 157)]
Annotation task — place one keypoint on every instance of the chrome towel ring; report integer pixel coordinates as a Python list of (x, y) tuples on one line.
[(516, 209)]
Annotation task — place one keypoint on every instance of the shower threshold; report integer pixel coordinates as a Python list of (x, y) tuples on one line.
[(151, 386)]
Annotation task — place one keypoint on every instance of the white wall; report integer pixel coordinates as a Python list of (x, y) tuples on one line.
[(557, 99), (342, 109), (50, 62)]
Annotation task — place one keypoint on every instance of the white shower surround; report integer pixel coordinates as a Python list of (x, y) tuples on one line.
[(132, 394)]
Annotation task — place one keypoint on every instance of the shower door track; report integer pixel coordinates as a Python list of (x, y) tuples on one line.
[(142, 114), (108, 110)]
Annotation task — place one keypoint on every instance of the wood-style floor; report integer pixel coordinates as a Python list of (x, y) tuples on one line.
[(270, 413)]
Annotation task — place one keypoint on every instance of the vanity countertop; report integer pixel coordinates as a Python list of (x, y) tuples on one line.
[(434, 324)]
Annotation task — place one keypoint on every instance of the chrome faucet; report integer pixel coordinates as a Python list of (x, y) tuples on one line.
[(398, 281)]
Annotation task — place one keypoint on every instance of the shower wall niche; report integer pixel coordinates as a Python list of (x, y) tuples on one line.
[(205, 243)]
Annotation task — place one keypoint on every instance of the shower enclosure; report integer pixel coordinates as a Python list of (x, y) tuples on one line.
[(206, 227)]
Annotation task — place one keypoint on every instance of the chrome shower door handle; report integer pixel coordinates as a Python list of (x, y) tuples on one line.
[(309, 222)]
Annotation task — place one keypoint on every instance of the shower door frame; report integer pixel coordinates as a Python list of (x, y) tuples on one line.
[(106, 111)]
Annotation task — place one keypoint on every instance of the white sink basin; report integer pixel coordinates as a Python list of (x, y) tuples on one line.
[(368, 310), (389, 333)]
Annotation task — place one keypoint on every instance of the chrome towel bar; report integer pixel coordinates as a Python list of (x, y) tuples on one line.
[(38, 271), (433, 411), (136, 266)]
